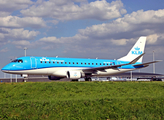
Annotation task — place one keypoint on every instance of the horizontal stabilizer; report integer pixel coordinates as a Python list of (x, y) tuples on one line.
[(145, 64)]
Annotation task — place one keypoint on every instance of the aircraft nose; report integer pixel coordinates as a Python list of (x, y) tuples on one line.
[(5, 69)]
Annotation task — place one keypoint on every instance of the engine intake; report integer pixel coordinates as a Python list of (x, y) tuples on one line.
[(74, 75)]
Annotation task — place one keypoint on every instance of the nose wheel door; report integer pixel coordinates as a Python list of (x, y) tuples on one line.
[(33, 62)]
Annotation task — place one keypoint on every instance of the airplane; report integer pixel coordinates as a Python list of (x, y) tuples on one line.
[(75, 68)]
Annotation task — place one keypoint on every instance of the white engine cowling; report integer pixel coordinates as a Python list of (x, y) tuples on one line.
[(74, 74)]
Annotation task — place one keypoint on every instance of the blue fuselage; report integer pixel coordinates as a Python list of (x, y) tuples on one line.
[(59, 66)]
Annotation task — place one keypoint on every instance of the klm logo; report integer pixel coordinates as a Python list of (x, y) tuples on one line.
[(137, 51), (75, 74)]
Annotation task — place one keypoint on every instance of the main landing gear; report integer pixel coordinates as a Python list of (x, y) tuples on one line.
[(88, 79), (75, 80)]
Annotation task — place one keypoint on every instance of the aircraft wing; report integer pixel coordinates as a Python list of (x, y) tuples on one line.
[(102, 68), (112, 66), (147, 64)]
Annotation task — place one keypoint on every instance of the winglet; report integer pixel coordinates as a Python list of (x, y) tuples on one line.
[(136, 59)]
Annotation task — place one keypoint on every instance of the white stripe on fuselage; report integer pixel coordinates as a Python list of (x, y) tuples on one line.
[(62, 71)]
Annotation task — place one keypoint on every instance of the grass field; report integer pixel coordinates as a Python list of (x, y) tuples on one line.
[(82, 100)]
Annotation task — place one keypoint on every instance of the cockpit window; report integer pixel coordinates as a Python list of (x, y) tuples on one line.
[(18, 60), (14, 60)]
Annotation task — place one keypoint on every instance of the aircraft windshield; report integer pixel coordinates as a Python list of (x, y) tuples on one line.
[(18, 60)]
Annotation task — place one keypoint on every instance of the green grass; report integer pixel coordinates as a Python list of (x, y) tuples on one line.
[(82, 100)]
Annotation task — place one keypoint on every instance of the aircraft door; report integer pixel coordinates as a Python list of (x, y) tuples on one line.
[(33, 62)]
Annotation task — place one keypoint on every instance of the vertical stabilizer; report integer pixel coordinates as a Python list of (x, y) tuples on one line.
[(136, 50)]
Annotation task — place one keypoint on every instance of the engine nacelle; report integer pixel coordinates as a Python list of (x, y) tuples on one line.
[(54, 78), (74, 75)]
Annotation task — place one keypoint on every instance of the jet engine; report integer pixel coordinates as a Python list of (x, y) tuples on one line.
[(74, 75), (54, 78)]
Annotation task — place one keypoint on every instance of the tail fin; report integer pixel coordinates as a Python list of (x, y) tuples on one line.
[(136, 50)]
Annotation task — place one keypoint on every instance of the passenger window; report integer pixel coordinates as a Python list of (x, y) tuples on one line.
[(45, 62), (69, 62), (57, 62), (103, 63), (53, 62), (49, 62), (61, 62), (100, 63), (88, 63), (81, 63), (92, 63), (77, 62), (65, 62), (41, 61)]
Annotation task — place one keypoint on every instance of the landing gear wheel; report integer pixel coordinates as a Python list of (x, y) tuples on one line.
[(75, 80), (88, 79)]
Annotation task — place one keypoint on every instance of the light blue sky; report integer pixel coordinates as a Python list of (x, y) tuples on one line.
[(81, 28)]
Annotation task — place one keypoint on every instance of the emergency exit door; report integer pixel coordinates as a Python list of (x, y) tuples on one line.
[(33, 62)]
